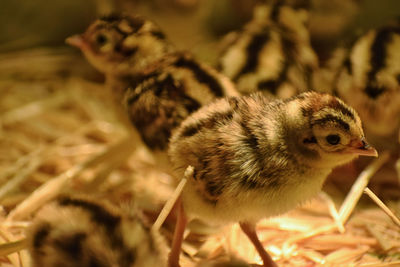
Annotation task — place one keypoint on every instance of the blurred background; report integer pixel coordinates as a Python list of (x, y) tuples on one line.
[(190, 24)]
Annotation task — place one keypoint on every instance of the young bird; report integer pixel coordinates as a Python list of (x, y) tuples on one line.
[(157, 85), (79, 232), (255, 158), (369, 81), (272, 53)]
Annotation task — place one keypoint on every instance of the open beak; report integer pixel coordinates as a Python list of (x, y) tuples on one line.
[(76, 40), (362, 148)]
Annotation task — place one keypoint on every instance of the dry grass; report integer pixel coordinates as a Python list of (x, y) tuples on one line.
[(60, 133)]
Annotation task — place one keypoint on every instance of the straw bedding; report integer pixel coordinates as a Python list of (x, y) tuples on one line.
[(60, 133)]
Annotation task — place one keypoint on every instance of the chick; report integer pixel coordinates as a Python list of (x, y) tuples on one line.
[(272, 53), (369, 81), (157, 85), (79, 232), (255, 158)]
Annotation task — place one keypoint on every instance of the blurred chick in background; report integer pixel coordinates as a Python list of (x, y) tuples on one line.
[(367, 77), (370, 81), (272, 53), (83, 232), (157, 85)]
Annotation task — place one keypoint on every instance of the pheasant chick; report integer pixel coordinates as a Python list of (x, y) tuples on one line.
[(157, 85), (254, 158)]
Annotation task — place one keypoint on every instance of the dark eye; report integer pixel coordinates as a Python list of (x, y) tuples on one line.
[(333, 139), (101, 39)]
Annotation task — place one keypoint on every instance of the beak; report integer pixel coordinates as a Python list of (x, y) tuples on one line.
[(362, 148), (76, 40)]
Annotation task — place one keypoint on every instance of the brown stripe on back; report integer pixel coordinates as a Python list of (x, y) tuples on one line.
[(191, 130), (348, 66), (109, 221), (165, 88), (71, 244), (378, 59), (253, 53), (98, 214), (201, 75), (208, 123), (251, 139), (374, 91), (276, 10), (40, 235), (378, 49), (158, 100), (128, 257)]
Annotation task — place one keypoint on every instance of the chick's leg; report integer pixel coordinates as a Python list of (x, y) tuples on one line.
[(250, 230), (173, 259)]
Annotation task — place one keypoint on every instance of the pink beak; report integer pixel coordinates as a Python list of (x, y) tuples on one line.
[(77, 41), (362, 148)]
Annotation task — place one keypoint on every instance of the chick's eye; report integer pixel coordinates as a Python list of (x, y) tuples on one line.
[(333, 139), (101, 39)]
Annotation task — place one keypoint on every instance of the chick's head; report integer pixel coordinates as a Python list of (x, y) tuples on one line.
[(329, 132), (119, 44)]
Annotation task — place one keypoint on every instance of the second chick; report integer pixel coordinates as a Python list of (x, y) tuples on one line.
[(157, 85)]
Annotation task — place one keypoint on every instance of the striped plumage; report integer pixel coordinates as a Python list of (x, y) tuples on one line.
[(157, 85), (158, 101), (370, 80), (255, 158), (366, 75), (272, 53), (80, 232)]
